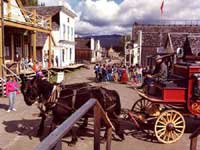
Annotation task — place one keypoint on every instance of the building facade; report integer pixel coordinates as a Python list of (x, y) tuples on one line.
[(88, 49), (151, 38), (63, 34), (18, 35)]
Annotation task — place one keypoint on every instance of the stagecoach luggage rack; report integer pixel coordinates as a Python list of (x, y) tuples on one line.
[(168, 84)]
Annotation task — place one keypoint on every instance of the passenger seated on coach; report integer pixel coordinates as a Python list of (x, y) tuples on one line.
[(160, 73), (196, 86)]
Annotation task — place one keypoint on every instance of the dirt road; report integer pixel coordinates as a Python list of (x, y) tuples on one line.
[(18, 129)]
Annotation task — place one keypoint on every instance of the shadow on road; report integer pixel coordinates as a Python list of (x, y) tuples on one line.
[(146, 132), (26, 127), (4, 106)]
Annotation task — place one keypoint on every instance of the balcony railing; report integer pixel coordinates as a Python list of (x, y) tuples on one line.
[(21, 15)]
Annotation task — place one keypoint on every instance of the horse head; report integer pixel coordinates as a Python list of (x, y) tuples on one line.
[(35, 89), (30, 90)]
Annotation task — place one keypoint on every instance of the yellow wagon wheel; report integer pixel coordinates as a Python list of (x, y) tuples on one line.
[(169, 126), (141, 105)]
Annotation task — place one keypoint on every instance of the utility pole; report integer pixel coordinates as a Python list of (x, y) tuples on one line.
[(1, 38)]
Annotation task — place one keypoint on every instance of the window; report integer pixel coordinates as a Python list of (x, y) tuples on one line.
[(64, 31), (68, 32), (72, 33), (7, 51), (68, 19), (70, 55), (63, 55)]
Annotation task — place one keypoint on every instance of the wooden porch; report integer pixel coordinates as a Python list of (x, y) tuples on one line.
[(18, 28)]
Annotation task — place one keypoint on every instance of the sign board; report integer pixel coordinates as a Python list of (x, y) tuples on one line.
[(60, 77), (160, 50)]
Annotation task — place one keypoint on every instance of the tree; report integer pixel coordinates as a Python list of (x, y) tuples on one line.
[(29, 2), (124, 39)]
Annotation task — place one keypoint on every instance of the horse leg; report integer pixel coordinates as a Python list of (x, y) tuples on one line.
[(118, 130), (85, 123), (53, 127), (74, 137), (41, 127)]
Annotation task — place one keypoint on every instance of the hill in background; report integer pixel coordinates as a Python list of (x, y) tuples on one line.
[(108, 41)]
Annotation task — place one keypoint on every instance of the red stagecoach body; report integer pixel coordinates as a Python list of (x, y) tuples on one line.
[(181, 92)]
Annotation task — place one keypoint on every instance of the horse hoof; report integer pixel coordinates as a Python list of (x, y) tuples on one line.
[(121, 137), (72, 143)]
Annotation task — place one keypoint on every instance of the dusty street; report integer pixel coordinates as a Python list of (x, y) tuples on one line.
[(18, 129)]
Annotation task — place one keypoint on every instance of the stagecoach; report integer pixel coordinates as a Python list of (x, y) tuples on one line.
[(163, 105)]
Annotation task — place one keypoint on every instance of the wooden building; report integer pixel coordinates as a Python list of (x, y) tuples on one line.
[(63, 34), (151, 38), (83, 50), (18, 30), (184, 44)]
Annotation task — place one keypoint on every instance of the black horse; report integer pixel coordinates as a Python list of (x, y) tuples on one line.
[(62, 103)]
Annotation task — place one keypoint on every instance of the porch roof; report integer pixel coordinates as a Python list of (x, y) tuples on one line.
[(52, 10), (177, 40), (16, 16)]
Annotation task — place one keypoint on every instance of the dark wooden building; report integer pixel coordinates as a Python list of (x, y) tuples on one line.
[(151, 38), (83, 51)]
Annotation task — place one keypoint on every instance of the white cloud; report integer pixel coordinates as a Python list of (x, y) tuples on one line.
[(106, 16)]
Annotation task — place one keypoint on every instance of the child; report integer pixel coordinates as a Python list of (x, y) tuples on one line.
[(12, 89)]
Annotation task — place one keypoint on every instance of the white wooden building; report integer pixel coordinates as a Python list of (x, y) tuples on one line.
[(63, 32)]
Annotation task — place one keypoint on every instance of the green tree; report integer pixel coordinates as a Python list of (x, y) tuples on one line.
[(29, 2), (124, 39)]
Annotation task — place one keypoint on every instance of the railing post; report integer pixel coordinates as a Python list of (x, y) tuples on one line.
[(58, 146), (9, 9), (109, 138), (193, 143), (193, 139), (97, 119)]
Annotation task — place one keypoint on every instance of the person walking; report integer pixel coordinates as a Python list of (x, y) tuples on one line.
[(56, 61), (12, 89), (124, 78)]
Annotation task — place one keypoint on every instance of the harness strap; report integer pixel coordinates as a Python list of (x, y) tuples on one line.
[(55, 94), (74, 99), (111, 107)]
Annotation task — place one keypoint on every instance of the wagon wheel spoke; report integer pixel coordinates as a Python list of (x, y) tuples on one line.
[(178, 123), (178, 118), (168, 136), (168, 117), (179, 131), (173, 135), (161, 130), (179, 127), (165, 136), (174, 117), (141, 105), (161, 126), (162, 133), (162, 123), (164, 120)]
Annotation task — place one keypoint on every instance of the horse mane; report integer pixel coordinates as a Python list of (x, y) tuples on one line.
[(45, 87)]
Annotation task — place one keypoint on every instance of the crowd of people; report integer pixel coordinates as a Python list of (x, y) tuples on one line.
[(118, 73)]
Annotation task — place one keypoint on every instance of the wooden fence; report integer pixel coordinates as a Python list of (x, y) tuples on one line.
[(53, 141)]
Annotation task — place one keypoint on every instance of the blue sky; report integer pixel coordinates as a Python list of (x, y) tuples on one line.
[(100, 17)]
